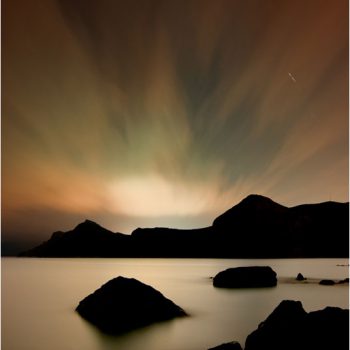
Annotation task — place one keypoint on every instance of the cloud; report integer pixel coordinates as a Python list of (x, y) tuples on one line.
[(151, 110)]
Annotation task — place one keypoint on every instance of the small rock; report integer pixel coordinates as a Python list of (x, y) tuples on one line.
[(300, 277), (327, 282)]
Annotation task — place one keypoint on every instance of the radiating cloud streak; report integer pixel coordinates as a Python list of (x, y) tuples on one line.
[(172, 109)]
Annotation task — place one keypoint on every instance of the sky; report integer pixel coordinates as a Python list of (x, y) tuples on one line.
[(167, 113)]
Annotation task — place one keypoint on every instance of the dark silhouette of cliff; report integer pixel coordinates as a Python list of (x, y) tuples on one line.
[(257, 227)]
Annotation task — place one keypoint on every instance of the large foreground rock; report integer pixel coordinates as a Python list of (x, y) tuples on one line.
[(123, 304), (246, 277), (290, 327)]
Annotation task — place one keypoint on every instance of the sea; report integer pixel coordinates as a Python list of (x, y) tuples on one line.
[(39, 297)]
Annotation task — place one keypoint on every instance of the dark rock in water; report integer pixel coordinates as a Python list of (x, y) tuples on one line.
[(300, 277), (234, 345), (246, 277), (290, 327), (123, 304), (327, 282)]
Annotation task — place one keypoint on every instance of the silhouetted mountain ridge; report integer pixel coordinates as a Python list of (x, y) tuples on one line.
[(87, 239), (257, 227)]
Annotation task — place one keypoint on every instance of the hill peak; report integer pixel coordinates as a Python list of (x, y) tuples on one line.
[(258, 200), (87, 223), (252, 206), (88, 227)]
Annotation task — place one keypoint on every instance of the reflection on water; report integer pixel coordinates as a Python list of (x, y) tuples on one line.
[(39, 297)]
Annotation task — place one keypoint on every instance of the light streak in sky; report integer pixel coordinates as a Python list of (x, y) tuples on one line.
[(291, 76)]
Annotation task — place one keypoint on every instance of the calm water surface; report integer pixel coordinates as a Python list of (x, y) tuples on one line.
[(39, 297)]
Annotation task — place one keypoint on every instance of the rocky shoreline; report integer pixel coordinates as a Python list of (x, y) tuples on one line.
[(290, 327), (123, 304)]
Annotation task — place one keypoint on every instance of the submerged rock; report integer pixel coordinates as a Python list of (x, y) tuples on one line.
[(290, 327), (123, 304), (246, 277), (234, 345)]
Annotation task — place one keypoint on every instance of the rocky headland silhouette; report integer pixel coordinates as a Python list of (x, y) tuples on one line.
[(257, 227)]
